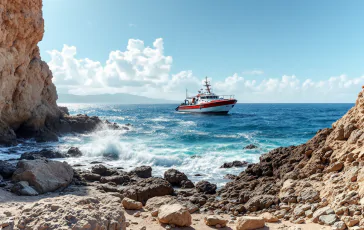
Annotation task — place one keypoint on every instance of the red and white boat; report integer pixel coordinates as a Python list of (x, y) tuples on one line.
[(207, 102)]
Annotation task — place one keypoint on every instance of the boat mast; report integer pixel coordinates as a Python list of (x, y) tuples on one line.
[(186, 94), (207, 85)]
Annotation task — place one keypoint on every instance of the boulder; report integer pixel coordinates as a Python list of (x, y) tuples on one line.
[(328, 219), (131, 204), (269, 217), (174, 214), (91, 176), (83, 123), (143, 171), (154, 203), (43, 175), (213, 220), (234, 164), (6, 169), (322, 211), (23, 188), (117, 179), (340, 225), (174, 176), (187, 184), (102, 170), (249, 222), (44, 153), (74, 152), (260, 202), (206, 187), (147, 188)]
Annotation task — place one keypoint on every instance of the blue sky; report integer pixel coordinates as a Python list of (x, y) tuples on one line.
[(312, 40)]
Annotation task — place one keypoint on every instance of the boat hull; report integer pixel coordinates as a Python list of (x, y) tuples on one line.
[(218, 107)]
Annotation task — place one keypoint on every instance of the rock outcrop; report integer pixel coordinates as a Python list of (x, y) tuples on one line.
[(27, 94), (321, 180)]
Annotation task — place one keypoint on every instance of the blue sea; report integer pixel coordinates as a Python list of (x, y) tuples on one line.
[(192, 143)]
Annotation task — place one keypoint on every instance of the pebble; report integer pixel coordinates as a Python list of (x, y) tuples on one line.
[(137, 214)]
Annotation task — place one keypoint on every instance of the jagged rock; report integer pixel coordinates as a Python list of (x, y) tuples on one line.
[(230, 177), (174, 214), (6, 169), (117, 179), (213, 220), (174, 176), (350, 221), (44, 153), (78, 212), (83, 123), (260, 202), (23, 188), (74, 152), (340, 225), (64, 110), (206, 187), (131, 204), (251, 146), (44, 176), (249, 222), (102, 170), (234, 164), (187, 184), (91, 176), (147, 188), (143, 171)]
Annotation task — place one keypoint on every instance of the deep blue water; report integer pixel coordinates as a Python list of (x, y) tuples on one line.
[(163, 138)]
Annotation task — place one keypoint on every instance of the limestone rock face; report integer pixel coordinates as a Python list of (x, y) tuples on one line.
[(43, 175), (78, 212), (27, 94)]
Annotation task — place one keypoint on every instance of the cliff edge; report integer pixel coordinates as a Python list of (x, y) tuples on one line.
[(27, 94)]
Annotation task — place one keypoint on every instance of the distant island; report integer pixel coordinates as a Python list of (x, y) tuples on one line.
[(118, 98)]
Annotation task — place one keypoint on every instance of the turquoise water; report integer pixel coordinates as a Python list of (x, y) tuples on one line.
[(193, 143)]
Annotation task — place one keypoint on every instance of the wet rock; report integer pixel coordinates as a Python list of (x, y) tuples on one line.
[(234, 164), (91, 176), (83, 123), (174, 176), (249, 222), (187, 184), (44, 153), (251, 146), (147, 188), (43, 175), (74, 152), (6, 169), (174, 214), (230, 177), (117, 179), (213, 220), (143, 171), (131, 204), (23, 188), (206, 187), (103, 170), (64, 110)]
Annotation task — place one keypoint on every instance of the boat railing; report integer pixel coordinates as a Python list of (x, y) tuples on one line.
[(226, 96)]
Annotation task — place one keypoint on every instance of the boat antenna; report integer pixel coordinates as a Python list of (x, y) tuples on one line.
[(207, 85)]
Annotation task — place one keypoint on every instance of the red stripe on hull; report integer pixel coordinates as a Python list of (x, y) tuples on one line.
[(208, 105)]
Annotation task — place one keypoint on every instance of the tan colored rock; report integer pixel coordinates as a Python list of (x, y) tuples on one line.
[(249, 222), (131, 204), (214, 220), (154, 203), (174, 214), (269, 217), (27, 94), (44, 175)]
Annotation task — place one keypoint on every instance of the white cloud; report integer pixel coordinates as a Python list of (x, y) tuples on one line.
[(253, 72), (146, 71)]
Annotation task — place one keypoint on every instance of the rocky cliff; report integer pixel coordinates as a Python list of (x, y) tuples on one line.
[(326, 174), (27, 94)]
